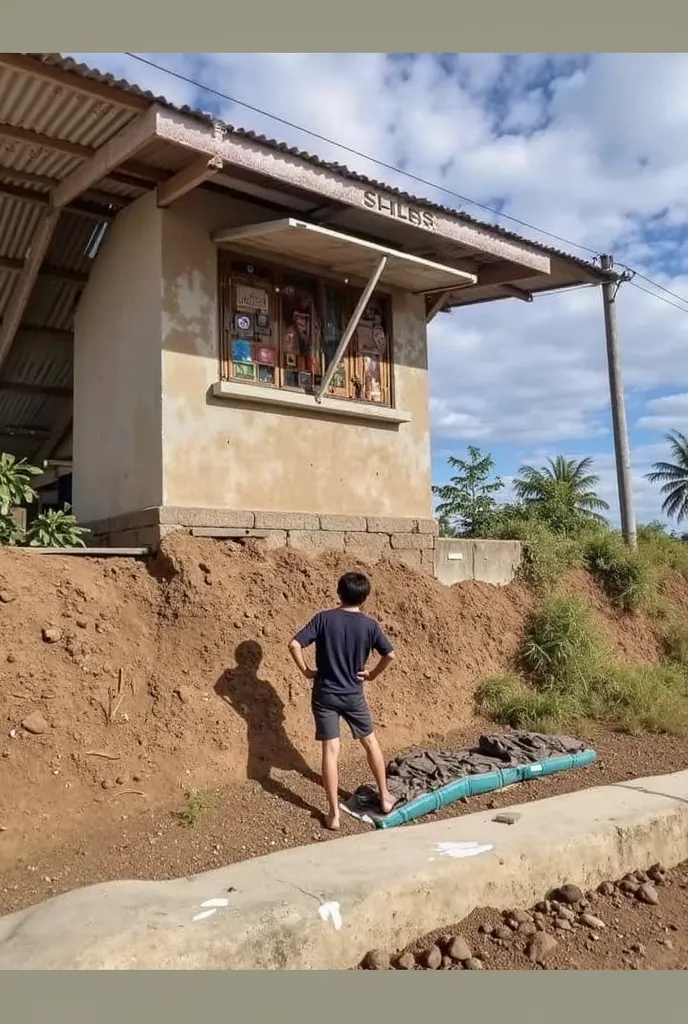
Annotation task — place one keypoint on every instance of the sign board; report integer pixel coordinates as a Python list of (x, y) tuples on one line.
[(255, 299), (398, 210)]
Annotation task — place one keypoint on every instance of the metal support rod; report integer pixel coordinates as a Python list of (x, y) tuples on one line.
[(350, 329), (621, 445)]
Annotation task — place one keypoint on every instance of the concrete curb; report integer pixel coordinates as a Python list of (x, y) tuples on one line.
[(324, 906)]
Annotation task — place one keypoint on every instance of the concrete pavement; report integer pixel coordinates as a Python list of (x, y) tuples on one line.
[(323, 906)]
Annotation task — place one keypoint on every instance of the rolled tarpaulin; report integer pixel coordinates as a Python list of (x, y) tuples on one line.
[(475, 785)]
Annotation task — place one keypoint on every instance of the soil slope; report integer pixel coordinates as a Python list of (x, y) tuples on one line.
[(196, 643)]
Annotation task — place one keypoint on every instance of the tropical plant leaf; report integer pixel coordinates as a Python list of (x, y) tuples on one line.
[(56, 528)]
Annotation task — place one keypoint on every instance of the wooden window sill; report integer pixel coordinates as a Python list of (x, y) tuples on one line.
[(342, 408)]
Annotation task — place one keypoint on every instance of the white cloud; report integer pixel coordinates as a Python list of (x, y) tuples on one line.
[(667, 413), (590, 147)]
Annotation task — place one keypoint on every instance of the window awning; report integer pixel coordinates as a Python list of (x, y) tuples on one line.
[(342, 254)]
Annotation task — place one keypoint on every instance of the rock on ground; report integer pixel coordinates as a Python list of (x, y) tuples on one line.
[(35, 723)]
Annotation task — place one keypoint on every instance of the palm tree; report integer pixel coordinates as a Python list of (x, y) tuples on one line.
[(562, 493), (673, 476)]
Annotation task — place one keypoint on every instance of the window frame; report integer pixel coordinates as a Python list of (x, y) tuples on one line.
[(319, 281)]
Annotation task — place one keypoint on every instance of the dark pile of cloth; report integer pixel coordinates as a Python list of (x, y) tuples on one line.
[(424, 771)]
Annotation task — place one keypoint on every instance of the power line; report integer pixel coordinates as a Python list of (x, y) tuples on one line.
[(660, 297), (656, 284), (355, 152), (414, 177)]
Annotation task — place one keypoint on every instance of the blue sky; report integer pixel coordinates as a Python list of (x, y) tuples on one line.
[(591, 147)]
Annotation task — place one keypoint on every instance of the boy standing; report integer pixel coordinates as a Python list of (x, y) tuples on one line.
[(344, 638)]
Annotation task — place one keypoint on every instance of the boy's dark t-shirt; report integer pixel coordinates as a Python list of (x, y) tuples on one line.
[(343, 642)]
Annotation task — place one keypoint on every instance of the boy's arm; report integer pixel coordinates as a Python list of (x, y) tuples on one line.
[(383, 647), (304, 638), (372, 674), (296, 651)]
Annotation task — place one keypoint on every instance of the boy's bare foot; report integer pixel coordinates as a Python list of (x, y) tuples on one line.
[(387, 803), (332, 822)]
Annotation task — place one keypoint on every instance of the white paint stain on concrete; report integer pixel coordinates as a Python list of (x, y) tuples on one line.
[(331, 912), (210, 907), (203, 914), (458, 850)]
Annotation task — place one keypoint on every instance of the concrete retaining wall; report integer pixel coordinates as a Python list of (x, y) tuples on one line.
[(324, 906), (487, 561), (369, 538)]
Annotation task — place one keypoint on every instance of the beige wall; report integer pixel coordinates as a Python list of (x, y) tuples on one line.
[(219, 453), (117, 445)]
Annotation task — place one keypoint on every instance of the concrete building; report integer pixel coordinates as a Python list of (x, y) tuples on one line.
[(210, 330)]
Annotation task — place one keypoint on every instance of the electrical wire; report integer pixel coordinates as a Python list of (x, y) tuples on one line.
[(661, 298), (655, 284), (355, 152), (414, 177)]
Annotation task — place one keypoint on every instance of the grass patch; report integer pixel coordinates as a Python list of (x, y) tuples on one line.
[(562, 648), (675, 637), (663, 551), (547, 556), (569, 677), (626, 576), (197, 803), (648, 699), (509, 701)]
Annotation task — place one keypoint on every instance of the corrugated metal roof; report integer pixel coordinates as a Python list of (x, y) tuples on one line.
[(45, 98), (92, 74)]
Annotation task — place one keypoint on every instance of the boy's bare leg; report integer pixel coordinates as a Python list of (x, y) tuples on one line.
[(376, 763), (330, 775)]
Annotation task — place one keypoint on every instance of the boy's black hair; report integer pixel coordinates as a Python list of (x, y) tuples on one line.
[(353, 588)]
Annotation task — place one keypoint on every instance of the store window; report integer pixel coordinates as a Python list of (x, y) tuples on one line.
[(280, 329)]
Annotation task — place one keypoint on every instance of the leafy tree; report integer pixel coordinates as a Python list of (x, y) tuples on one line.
[(673, 476), (466, 506), (446, 527), (561, 494)]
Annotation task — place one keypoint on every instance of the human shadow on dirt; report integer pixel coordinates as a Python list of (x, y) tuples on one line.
[(261, 707)]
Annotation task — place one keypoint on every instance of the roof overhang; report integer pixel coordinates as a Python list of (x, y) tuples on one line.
[(290, 169), (95, 145), (342, 255)]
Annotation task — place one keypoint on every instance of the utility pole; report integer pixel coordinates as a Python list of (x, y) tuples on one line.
[(621, 447)]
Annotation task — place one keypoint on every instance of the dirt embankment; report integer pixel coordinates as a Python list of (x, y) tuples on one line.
[(208, 694)]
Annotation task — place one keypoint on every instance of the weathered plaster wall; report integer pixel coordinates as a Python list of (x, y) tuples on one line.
[(221, 454), (117, 444)]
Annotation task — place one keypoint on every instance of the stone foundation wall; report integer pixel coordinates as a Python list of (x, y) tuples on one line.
[(370, 538)]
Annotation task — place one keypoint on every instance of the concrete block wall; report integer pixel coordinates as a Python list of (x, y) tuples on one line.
[(368, 538), (486, 561)]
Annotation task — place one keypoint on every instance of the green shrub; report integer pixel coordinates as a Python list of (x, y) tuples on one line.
[(15, 482), (652, 698), (661, 550), (511, 702), (56, 528), (562, 647), (547, 556), (197, 804), (626, 576), (10, 530), (675, 637)]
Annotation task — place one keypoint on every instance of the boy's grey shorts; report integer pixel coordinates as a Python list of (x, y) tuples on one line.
[(354, 710)]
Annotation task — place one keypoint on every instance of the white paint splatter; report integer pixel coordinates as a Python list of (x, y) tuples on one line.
[(203, 914), (210, 907), (331, 912), (457, 850)]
